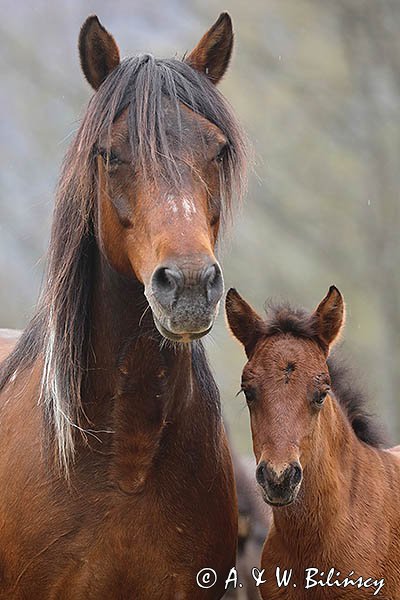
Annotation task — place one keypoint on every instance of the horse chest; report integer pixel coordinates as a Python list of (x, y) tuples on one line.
[(139, 520), (147, 548)]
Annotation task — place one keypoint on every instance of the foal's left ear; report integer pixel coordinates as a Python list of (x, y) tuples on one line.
[(98, 51), (330, 314), (213, 53)]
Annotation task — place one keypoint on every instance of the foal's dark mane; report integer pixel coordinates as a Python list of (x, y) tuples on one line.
[(59, 332), (282, 318)]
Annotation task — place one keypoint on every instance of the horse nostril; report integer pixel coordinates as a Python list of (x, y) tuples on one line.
[(167, 283), (212, 281), (201, 287), (165, 279), (260, 473)]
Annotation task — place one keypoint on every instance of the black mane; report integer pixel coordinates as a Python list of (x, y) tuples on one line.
[(298, 322)]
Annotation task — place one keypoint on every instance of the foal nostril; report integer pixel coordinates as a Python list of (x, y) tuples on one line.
[(261, 475), (167, 283), (296, 473), (291, 476), (211, 279)]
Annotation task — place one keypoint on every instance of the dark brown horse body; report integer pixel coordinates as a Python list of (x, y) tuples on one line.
[(145, 509), (334, 491), (255, 519), (116, 478)]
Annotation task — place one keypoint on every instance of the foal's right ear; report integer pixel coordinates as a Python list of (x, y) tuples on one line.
[(98, 51), (330, 316), (243, 320)]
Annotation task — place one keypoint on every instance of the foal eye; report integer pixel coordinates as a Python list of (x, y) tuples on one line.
[(249, 394)]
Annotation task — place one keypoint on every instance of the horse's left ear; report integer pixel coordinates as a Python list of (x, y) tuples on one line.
[(330, 315), (212, 54), (98, 51)]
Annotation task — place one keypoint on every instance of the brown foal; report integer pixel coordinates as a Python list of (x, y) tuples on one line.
[(333, 489)]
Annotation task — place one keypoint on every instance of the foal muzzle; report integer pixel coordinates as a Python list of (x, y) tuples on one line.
[(279, 488)]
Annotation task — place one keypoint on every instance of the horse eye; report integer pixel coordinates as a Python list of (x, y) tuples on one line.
[(214, 220), (109, 157), (221, 154)]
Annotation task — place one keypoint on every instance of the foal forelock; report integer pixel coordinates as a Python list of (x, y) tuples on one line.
[(59, 332)]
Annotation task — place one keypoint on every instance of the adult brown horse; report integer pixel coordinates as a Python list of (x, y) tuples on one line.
[(116, 478), (334, 492)]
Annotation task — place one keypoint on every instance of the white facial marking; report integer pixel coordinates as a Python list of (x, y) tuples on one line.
[(189, 208), (185, 203), (172, 203)]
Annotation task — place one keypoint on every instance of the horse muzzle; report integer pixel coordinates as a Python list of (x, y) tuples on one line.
[(184, 299)]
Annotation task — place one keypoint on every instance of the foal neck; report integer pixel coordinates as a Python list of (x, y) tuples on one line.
[(327, 481)]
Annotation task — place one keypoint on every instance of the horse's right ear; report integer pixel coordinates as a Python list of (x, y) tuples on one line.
[(243, 321), (98, 51)]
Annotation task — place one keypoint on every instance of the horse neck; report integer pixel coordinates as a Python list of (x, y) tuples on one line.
[(121, 323), (327, 483), (135, 380)]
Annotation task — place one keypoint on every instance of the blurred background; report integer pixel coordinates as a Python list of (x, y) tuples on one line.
[(317, 86)]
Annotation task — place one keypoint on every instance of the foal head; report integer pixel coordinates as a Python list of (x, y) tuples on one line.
[(286, 383), (167, 151)]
